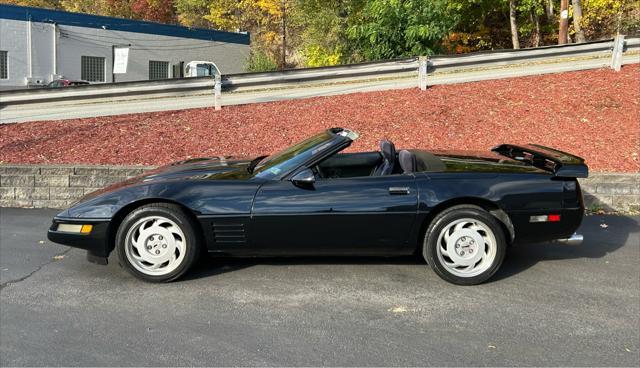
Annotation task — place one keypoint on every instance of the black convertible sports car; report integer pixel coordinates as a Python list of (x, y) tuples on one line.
[(459, 210)]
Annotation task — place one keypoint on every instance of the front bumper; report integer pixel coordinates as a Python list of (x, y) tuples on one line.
[(95, 242)]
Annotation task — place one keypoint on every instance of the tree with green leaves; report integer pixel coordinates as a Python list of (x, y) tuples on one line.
[(396, 28), (319, 30), (263, 19), (329, 32)]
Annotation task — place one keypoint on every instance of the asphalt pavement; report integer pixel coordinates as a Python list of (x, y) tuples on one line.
[(550, 304)]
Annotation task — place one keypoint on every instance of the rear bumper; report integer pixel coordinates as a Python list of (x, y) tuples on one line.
[(95, 242), (528, 232)]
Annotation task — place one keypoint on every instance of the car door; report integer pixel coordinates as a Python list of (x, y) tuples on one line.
[(361, 215)]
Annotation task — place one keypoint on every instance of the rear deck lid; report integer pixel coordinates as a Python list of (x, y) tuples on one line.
[(561, 164)]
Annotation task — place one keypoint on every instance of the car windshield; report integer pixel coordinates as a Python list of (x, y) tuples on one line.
[(293, 156)]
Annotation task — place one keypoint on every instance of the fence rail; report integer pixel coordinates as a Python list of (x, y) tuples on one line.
[(401, 68)]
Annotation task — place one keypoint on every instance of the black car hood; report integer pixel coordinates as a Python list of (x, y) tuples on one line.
[(219, 168), (212, 168)]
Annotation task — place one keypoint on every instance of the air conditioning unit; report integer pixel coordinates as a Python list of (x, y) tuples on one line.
[(35, 81)]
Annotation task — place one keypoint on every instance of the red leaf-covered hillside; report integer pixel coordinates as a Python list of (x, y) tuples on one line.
[(593, 114)]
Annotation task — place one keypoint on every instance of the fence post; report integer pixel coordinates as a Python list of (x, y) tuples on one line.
[(423, 61), (217, 92), (616, 55)]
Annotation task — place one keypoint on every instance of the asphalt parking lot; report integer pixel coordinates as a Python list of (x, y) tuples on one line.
[(549, 305)]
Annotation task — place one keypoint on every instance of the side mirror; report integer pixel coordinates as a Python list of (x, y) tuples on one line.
[(304, 178)]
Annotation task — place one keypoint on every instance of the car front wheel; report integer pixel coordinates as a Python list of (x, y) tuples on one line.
[(464, 245), (156, 242)]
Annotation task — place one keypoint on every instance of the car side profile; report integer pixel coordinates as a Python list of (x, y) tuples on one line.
[(459, 210)]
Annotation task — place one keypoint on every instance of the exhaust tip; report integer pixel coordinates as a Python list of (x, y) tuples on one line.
[(575, 239)]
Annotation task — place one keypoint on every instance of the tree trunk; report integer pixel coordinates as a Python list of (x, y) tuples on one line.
[(549, 9), (577, 20), (283, 60), (564, 22), (535, 19), (514, 24)]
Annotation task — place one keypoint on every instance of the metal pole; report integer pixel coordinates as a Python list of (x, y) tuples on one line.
[(616, 55), (217, 92), (423, 62), (113, 63), (564, 22)]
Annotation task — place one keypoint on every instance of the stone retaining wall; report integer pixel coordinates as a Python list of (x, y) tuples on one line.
[(612, 192), (57, 186)]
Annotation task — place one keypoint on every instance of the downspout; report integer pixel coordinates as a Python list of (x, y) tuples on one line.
[(29, 48), (55, 48)]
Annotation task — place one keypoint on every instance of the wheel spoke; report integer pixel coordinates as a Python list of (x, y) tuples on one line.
[(444, 251), (138, 256), (459, 226)]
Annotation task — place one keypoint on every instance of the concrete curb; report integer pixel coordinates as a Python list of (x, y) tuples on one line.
[(58, 186)]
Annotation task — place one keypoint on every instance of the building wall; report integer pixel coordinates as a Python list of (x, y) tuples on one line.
[(13, 39), (73, 42)]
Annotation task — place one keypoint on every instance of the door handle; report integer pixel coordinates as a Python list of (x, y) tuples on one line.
[(399, 190)]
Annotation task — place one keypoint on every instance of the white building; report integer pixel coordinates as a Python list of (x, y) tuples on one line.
[(39, 45)]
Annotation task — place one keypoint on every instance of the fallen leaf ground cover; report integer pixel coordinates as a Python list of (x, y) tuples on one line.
[(593, 114)]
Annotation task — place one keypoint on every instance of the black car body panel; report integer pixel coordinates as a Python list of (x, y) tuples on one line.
[(253, 207), (336, 216)]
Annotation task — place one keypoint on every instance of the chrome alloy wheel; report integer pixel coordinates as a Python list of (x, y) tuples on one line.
[(466, 247), (155, 245)]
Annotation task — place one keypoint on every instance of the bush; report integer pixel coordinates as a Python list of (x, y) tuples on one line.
[(318, 56), (259, 61)]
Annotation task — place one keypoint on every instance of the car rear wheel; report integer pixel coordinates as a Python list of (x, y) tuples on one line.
[(157, 242), (464, 245)]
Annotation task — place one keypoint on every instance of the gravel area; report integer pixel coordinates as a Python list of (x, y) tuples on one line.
[(593, 114)]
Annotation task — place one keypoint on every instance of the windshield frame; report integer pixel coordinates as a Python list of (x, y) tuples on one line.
[(327, 143)]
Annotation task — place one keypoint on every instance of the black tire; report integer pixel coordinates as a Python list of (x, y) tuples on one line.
[(449, 216), (169, 211)]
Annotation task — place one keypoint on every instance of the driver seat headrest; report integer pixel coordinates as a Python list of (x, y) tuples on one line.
[(407, 161), (388, 151)]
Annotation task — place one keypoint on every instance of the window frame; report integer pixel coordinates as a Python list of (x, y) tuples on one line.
[(6, 65), (165, 64), (84, 75)]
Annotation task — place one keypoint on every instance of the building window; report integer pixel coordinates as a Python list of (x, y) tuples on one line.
[(92, 69), (4, 67), (158, 69)]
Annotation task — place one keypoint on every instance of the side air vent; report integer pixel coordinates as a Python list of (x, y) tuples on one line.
[(228, 233)]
